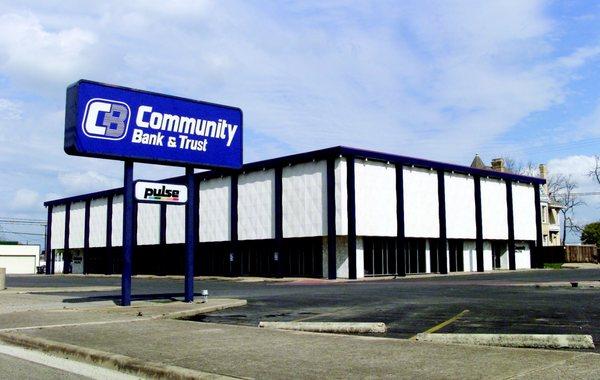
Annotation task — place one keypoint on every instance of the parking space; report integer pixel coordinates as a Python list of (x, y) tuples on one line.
[(503, 302)]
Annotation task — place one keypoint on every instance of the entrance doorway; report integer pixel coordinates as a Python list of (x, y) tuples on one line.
[(499, 255), (380, 256), (455, 253)]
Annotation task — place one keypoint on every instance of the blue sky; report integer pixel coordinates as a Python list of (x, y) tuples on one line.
[(435, 79)]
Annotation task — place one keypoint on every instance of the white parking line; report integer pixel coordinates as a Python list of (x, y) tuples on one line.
[(83, 369)]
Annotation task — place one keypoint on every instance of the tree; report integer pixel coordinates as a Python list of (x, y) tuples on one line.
[(560, 190), (564, 195), (595, 173), (519, 167), (591, 234)]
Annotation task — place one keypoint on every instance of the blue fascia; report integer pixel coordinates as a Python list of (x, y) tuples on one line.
[(321, 154)]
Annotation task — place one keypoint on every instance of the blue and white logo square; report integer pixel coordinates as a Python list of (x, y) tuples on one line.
[(106, 119)]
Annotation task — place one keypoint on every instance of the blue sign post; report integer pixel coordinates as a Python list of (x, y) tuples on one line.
[(131, 125)]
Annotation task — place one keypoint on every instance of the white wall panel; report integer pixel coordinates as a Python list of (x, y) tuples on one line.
[(427, 257), (460, 206), (524, 211), (504, 264), (341, 197), (256, 205), (76, 225), (57, 238), (175, 224), (469, 256), (98, 214), (421, 213), (493, 209), (341, 257), (522, 255), (487, 256), (148, 224), (360, 258), (375, 186), (305, 200), (215, 210), (117, 221)]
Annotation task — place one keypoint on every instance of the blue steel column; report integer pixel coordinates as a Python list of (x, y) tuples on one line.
[(443, 241), (234, 255), (162, 239), (351, 188), (128, 217), (48, 239), (331, 227), (86, 235), (66, 242), (400, 231), (278, 257), (190, 234), (511, 226), (478, 225)]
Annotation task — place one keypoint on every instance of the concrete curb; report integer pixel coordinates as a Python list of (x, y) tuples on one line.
[(580, 266), (105, 359), (117, 362), (74, 289), (203, 310), (329, 327), (512, 340)]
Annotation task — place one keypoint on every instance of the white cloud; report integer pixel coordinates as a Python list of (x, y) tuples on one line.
[(436, 79), (34, 55), (24, 199), (578, 167), (579, 57), (86, 181), (10, 110)]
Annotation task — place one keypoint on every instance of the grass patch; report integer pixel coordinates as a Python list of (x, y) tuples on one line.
[(552, 265)]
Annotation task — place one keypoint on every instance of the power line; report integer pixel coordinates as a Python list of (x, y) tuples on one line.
[(579, 194), (20, 233), (22, 223), (21, 220)]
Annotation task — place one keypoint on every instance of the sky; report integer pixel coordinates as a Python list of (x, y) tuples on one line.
[(441, 80)]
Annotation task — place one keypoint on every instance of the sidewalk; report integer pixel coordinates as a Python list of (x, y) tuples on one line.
[(312, 280), (144, 335), (251, 352)]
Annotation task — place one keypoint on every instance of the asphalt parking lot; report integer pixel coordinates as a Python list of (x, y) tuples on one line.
[(502, 302)]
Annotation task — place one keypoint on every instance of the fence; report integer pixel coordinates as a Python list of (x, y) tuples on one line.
[(581, 254), (571, 254)]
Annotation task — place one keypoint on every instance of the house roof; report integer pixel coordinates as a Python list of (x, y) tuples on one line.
[(478, 163)]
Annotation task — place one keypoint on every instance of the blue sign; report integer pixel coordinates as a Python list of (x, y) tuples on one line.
[(126, 124)]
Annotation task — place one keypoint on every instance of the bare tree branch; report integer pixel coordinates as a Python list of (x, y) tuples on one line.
[(512, 165), (519, 167), (573, 226), (561, 190), (595, 173), (564, 195)]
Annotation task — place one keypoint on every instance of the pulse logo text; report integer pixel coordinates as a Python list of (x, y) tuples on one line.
[(162, 194), (106, 119)]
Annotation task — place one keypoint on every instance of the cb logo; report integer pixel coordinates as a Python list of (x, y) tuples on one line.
[(106, 119)]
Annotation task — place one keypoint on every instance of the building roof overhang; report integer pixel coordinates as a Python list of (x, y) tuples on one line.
[(322, 154)]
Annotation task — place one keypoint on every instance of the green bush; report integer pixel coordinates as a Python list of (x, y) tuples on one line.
[(553, 265), (591, 234)]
